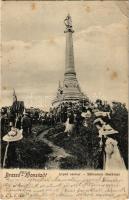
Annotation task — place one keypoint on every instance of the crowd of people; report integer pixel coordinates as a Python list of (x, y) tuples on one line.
[(73, 115), (76, 113)]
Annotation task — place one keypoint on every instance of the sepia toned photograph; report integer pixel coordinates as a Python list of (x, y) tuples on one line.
[(64, 84)]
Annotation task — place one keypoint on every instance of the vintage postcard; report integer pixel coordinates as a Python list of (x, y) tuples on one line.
[(64, 100)]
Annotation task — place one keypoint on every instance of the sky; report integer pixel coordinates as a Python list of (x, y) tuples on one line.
[(33, 50)]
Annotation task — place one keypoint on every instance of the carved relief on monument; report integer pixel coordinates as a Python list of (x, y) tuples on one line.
[(71, 85)]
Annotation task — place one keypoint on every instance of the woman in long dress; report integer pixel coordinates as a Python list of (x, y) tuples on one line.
[(112, 158), (69, 124)]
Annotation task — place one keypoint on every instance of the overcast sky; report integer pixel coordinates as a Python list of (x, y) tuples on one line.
[(34, 50)]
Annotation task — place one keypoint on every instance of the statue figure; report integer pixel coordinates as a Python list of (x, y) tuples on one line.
[(68, 23)]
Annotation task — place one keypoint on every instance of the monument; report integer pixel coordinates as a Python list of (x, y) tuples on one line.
[(70, 91)]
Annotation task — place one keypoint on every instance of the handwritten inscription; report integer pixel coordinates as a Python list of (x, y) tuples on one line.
[(64, 185)]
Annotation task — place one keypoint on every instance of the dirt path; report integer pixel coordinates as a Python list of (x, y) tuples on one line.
[(56, 155)]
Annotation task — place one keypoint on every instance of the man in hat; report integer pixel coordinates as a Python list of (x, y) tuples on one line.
[(26, 125), (63, 113), (99, 124)]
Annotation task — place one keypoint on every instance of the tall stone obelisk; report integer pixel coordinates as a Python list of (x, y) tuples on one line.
[(70, 91)]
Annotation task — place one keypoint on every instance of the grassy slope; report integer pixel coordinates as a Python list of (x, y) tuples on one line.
[(83, 147)]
